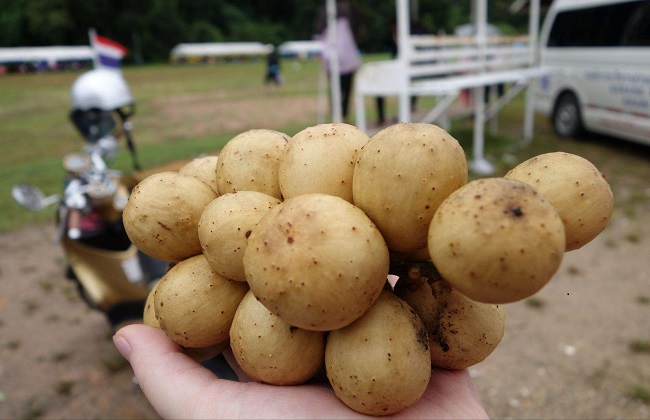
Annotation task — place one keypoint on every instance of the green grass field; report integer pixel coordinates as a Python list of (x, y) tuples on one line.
[(35, 131), (184, 111)]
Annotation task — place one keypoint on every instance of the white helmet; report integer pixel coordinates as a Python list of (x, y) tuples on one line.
[(101, 89)]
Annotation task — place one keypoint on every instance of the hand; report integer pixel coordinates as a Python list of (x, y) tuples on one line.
[(179, 387)]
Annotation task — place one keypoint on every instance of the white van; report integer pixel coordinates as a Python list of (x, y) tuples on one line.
[(600, 53)]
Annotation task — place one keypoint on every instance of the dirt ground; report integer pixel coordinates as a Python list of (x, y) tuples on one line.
[(566, 354), (579, 349)]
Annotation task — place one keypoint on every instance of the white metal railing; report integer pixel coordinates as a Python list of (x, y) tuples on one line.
[(444, 65)]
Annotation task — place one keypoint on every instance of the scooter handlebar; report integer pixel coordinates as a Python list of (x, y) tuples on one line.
[(74, 223)]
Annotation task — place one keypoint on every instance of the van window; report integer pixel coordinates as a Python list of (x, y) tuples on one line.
[(637, 34), (602, 26)]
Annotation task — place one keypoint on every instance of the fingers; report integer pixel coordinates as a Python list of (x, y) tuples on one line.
[(178, 387), (464, 386), (450, 394)]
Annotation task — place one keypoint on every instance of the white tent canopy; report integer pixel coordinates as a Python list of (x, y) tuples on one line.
[(52, 54), (301, 48), (220, 49)]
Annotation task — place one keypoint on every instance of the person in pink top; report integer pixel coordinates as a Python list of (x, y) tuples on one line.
[(348, 29)]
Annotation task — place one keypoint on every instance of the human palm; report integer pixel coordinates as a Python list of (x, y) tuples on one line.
[(179, 387)]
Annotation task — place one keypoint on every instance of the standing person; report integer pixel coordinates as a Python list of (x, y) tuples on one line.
[(273, 68), (348, 30)]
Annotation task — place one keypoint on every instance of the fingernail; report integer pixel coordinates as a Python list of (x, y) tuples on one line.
[(123, 346)]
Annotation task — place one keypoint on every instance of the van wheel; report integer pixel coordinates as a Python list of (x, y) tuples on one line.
[(567, 120)]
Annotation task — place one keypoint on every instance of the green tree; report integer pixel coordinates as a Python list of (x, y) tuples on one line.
[(11, 22), (162, 29), (47, 22), (204, 31), (150, 28)]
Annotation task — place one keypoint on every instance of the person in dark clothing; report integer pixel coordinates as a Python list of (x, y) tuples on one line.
[(273, 68)]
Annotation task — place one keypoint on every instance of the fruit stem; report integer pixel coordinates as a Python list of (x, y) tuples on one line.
[(413, 274)]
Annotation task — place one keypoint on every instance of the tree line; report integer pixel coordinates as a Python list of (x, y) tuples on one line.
[(151, 28)]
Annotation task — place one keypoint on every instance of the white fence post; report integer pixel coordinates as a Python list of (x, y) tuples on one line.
[(479, 164), (533, 30), (403, 33), (335, 78)]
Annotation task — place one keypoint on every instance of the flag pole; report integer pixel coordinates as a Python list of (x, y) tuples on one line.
[(92, 35)]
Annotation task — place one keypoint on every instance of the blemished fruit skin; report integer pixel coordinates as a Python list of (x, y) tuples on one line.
[(461, 332), (496, 240), (316, 261), (194, 305), (368, 263), (149, 313), (271, 351), (577, 189), (380, 364), (402, 175), (320, 159), (250, 162), (163, 212), (224, 228), (198, 354), (203, 168)]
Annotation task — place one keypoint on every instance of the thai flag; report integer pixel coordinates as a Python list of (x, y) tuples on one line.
[(108, 53)]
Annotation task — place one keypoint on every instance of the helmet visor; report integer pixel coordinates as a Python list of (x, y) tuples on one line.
[(93, 124)]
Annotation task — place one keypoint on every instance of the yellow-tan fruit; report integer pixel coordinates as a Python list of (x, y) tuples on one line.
[(461, 332), (320, 159), (316, 261), (224, 228), (201, 354), (380, 364), (250, 161), (271, 351), (496, 240), (577, 189), (149, 313), (162, 215), (195, 305), (402, 175), (198, 354), (203, 168)]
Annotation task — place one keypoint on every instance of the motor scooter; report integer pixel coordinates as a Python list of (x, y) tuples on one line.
[(111, 274)]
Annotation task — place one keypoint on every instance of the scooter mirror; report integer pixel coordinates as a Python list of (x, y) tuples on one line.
[(31, 197)]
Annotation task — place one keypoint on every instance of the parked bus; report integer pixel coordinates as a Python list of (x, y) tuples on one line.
[(600, 55)]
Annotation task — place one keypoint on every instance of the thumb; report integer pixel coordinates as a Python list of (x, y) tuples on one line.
[(140, 339), (156, 361)]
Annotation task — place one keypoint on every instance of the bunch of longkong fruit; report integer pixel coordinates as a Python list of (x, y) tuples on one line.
[(283, 247)]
